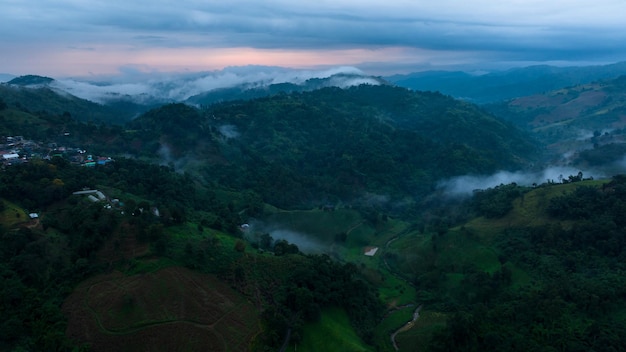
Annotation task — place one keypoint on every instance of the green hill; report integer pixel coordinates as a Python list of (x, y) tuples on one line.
[(333, 143), (37, 97), (574, 118), (247, 92), (484, 88), (545, 273), (30, 80), (512, 269)]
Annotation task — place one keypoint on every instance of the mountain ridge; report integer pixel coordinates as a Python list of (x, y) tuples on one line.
[(339, 142), (502, 85)]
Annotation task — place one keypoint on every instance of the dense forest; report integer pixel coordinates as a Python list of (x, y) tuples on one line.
[(333, 144), (41, 263), (508, 268), (577, 307)]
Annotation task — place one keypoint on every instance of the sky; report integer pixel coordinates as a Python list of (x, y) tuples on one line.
[(74, 38)]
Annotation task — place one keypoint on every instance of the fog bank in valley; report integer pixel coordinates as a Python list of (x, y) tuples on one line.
[(306, 243), (466, 184)]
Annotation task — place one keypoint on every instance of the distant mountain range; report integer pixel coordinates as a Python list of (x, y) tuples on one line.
[(574, 120), (568, 119), (202, 88), (490, 87), (5, 77), (352, 167), (121, 101), (142, 92)]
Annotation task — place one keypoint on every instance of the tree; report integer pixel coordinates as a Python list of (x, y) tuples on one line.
[(282, 247), (265, 241), (341, 237), (240, 246)]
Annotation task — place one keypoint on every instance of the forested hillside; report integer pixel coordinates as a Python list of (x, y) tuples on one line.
[(261, 89), (41, 98), (586, 122), (257, 225), (141, 228), (334, 144)]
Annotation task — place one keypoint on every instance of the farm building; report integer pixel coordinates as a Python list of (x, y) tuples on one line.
[(370, 251)]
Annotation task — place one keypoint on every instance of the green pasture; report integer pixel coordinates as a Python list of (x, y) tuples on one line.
[(12, 215), (528, 210), (416, 338), (20, 118), (393, 321), (332, 332)]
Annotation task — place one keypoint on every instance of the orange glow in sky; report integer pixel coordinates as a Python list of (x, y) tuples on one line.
[(108, 59)]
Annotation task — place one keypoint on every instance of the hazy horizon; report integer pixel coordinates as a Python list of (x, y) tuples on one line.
[(89, 39)]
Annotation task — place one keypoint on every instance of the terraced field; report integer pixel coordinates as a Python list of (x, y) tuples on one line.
[(172, 309)]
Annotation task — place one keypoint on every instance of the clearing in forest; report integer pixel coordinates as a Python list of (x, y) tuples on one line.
[(170, 309)]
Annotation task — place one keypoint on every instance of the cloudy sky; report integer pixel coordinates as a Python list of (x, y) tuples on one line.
[(63, 38)]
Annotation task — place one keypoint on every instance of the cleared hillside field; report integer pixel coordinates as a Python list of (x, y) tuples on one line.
[(331, 333), (12, 215), (172, 309), (528, 210)]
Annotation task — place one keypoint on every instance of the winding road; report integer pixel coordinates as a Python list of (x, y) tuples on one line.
[(408, 326), (416, 313)]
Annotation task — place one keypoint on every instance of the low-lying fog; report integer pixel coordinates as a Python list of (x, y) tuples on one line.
[(465, 185), (305, 242), (143, 87)]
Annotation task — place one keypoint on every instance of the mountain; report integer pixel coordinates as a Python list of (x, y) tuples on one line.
[(496, 86), (252, 91), (31, 80), (549, 261), (38, 94), (119, 101), (203, 88), (194, 233), (574, 119), (333, 143)]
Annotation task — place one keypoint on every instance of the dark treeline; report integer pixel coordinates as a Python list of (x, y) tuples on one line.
[(296, 288)]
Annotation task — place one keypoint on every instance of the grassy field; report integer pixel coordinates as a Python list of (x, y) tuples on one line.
[(394, 291), (392, 322), (331, 333), (20, 118), (12, 215), (420, 334), (528, 210)]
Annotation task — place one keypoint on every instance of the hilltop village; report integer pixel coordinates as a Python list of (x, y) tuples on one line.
[(17, 149)]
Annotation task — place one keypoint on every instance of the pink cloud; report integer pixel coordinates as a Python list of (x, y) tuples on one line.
[(107, 59)]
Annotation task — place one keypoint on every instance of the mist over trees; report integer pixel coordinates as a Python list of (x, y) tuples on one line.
[(511, 267)]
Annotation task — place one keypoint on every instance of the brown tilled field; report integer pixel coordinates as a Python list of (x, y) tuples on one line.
[(173, 309)]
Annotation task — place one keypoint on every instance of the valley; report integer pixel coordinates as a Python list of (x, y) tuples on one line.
[(315, 218)]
